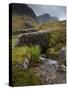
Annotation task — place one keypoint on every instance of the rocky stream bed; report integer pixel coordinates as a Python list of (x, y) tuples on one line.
[(50, 72)]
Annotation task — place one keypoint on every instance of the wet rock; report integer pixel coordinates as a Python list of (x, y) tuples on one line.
[(49, 65), (62, 67), (51, 69)]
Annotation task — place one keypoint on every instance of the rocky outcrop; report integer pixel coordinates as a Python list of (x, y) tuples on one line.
[(23, 65), (62, 56)]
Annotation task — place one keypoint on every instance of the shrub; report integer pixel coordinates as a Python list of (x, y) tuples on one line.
[(56, 41), (56, 38), (52, 53), (35, 53)]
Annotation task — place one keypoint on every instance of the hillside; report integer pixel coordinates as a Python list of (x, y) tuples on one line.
[(40, 72), (53, 25), (22, 16)]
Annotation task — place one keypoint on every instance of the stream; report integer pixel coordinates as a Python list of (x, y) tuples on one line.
[(50, 72)]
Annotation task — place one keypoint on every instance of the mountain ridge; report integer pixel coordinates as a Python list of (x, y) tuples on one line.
[(46, 17)]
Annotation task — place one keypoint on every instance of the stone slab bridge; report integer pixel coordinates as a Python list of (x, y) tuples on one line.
[(33, 38)]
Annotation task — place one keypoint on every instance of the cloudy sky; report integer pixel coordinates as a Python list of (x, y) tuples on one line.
[(58, 11)]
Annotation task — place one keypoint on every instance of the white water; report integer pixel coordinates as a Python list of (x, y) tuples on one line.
[(48, 61)]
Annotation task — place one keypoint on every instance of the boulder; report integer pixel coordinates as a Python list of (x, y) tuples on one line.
[(49, 65), (63, 68), (23, 65), (62, 56)]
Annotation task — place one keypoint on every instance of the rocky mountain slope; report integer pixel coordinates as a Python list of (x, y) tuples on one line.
[(22, 16), (22, 9)]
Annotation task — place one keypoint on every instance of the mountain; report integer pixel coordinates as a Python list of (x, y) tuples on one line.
[(22, 16), (46, 17), (22, 9)]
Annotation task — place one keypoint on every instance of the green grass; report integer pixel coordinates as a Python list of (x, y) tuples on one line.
[(24, 77), (51, 25), (35, 52), (20, 53), (56, 40)]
